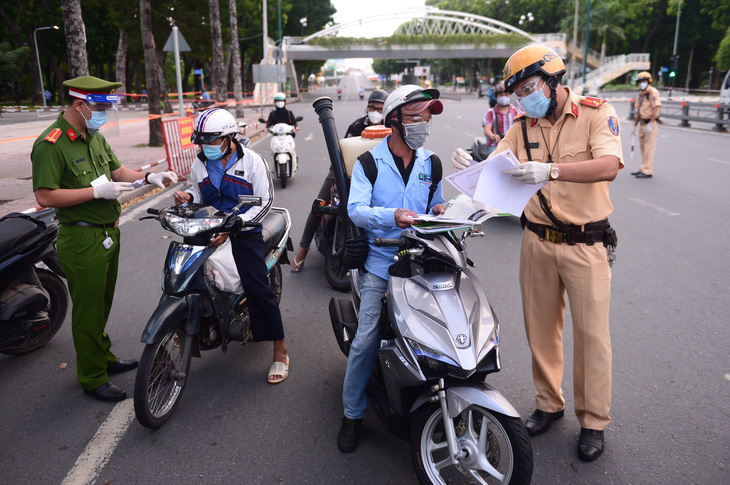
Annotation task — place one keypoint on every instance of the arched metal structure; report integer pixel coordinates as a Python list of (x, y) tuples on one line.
[(431, 21)]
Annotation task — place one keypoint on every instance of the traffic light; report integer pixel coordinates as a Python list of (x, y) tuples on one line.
[(675, 62)]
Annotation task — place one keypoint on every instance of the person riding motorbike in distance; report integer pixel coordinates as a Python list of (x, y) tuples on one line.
[(373, 116), (223, 170), (280, 114)]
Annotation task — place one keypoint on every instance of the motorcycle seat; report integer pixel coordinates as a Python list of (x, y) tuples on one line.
[(274, 228), (15, 231)]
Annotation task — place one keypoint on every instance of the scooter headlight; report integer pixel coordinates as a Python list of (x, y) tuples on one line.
[(435, 364), (190, 227)]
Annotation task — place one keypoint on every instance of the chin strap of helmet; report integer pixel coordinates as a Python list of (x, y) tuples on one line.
[(399, 124), (553, 83)]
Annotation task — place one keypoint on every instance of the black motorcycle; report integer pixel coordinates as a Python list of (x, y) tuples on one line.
[(330, 238), (193, 313), (33, 297)]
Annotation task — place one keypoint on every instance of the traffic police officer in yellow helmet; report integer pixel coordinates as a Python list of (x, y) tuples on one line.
[(647, 106), (76, 171), (569, 145)]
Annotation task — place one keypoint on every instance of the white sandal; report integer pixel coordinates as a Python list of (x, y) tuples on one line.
[(279, 369)]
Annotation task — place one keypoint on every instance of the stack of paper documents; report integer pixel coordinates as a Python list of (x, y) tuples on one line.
[(461, 212), (484, 182)]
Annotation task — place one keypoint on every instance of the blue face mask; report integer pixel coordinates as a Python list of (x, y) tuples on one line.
[(535, 104), (98, 118), (212, 152)]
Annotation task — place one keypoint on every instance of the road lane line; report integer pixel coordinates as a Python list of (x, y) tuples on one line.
[(727, 376), (719, 161), (658, 208), (102, 445)]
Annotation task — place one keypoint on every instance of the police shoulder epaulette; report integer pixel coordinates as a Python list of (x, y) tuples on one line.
[(53, 135), (593, 102)]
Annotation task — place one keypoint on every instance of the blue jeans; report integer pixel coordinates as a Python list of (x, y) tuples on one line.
[(365, 347)]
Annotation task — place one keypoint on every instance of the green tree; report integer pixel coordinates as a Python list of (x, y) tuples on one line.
[(722, 57)]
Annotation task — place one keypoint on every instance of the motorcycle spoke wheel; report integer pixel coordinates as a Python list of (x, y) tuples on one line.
[(496, 447), (158, 386)]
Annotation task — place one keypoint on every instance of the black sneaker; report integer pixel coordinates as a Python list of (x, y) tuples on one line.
[(347, 439)]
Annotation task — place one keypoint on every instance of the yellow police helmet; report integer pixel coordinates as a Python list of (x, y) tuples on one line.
[(531, 60), (643, 76)]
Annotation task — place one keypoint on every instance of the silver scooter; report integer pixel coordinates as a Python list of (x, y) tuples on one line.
[(440, 340)]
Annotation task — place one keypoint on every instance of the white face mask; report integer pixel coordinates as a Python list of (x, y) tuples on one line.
[(279, 104), (643, 85), (503, 100), (375, 117)]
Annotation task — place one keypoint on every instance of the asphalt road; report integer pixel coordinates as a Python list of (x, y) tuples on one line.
[(671, 372)]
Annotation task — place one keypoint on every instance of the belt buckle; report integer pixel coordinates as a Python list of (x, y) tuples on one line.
[(553, 236)]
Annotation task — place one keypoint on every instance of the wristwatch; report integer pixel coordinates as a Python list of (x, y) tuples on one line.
[(554, 173)]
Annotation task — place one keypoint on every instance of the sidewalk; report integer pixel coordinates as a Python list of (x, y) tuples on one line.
[(16, 187)]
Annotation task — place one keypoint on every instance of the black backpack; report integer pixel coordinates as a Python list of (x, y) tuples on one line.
[(371, 172)]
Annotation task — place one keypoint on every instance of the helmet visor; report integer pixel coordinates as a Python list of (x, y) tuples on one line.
[(530, 87), (203, 138)]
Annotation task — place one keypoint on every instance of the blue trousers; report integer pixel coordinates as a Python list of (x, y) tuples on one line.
[(365, 346)]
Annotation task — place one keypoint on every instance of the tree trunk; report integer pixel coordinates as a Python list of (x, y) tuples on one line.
[(73, 25), (122, 63), (164, 92), (151, 76), (218, 68), (236, 61)]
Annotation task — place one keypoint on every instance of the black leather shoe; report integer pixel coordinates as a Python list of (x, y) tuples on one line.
[(107, 392), (540, 421), (347, 440), (636, 173), (121, 366), (590, 444), (642, 175)]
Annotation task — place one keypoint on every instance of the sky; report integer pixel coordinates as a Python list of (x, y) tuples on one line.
[(349, 10)]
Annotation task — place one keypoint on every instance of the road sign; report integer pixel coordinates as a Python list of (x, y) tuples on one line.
[(278, 54), (269, 73), (419, 71), (181, 43)]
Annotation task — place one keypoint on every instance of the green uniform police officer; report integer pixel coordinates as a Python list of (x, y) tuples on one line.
[(76, 171)]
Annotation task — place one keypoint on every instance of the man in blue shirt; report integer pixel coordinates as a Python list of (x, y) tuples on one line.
[(383, 209)]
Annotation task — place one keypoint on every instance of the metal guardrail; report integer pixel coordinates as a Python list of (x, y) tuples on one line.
[(681, 110), (456, 96)]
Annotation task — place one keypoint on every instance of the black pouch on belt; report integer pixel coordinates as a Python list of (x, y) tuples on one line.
[(610, 238)]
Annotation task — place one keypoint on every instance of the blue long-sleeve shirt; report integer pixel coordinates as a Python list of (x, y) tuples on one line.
[(373, 207)]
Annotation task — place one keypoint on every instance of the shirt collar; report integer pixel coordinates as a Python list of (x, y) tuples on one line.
[(68, 130), (569, 108)]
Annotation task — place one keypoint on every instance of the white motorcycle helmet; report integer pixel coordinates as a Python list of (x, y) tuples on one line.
[(407, 94), (212, 124), (279, 99)]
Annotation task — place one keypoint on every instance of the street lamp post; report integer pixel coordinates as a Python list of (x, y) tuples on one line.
[(38, 58), (674, 52), (303, 21), (585, 49)]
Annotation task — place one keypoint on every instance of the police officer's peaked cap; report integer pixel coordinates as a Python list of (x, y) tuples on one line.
[(81, 86)]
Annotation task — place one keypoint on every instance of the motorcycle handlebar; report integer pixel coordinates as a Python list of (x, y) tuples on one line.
[(379, 242), (153, 211), (252, 224)]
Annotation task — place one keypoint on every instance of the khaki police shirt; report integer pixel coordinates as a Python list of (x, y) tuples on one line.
[(587, 129), (647, 101), (63, 159)]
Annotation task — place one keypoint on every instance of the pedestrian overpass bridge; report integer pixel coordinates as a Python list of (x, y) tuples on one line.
[(430, 33)]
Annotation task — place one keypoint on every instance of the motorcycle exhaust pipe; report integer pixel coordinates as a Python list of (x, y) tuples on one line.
[(323, 108)]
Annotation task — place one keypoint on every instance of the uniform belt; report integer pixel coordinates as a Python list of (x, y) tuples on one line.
[(588, 234), (645, 120), (111, 225)]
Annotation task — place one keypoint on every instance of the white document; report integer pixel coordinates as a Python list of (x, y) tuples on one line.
[(461, 212), (99, 180), (485, 182), (498, 189)]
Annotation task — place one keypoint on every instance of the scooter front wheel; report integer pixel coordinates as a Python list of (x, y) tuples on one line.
[(496, 448), (283, 178), (159, 384)]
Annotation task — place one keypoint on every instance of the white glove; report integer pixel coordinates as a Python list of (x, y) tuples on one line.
[(460, 159), (159, 179), (530, 172), (648, 128), (111, 190)]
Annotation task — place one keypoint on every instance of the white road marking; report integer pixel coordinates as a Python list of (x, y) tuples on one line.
[(658, 208), (309, 137), (727, 376), (719, 161), (469, 135), (102, 445)]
